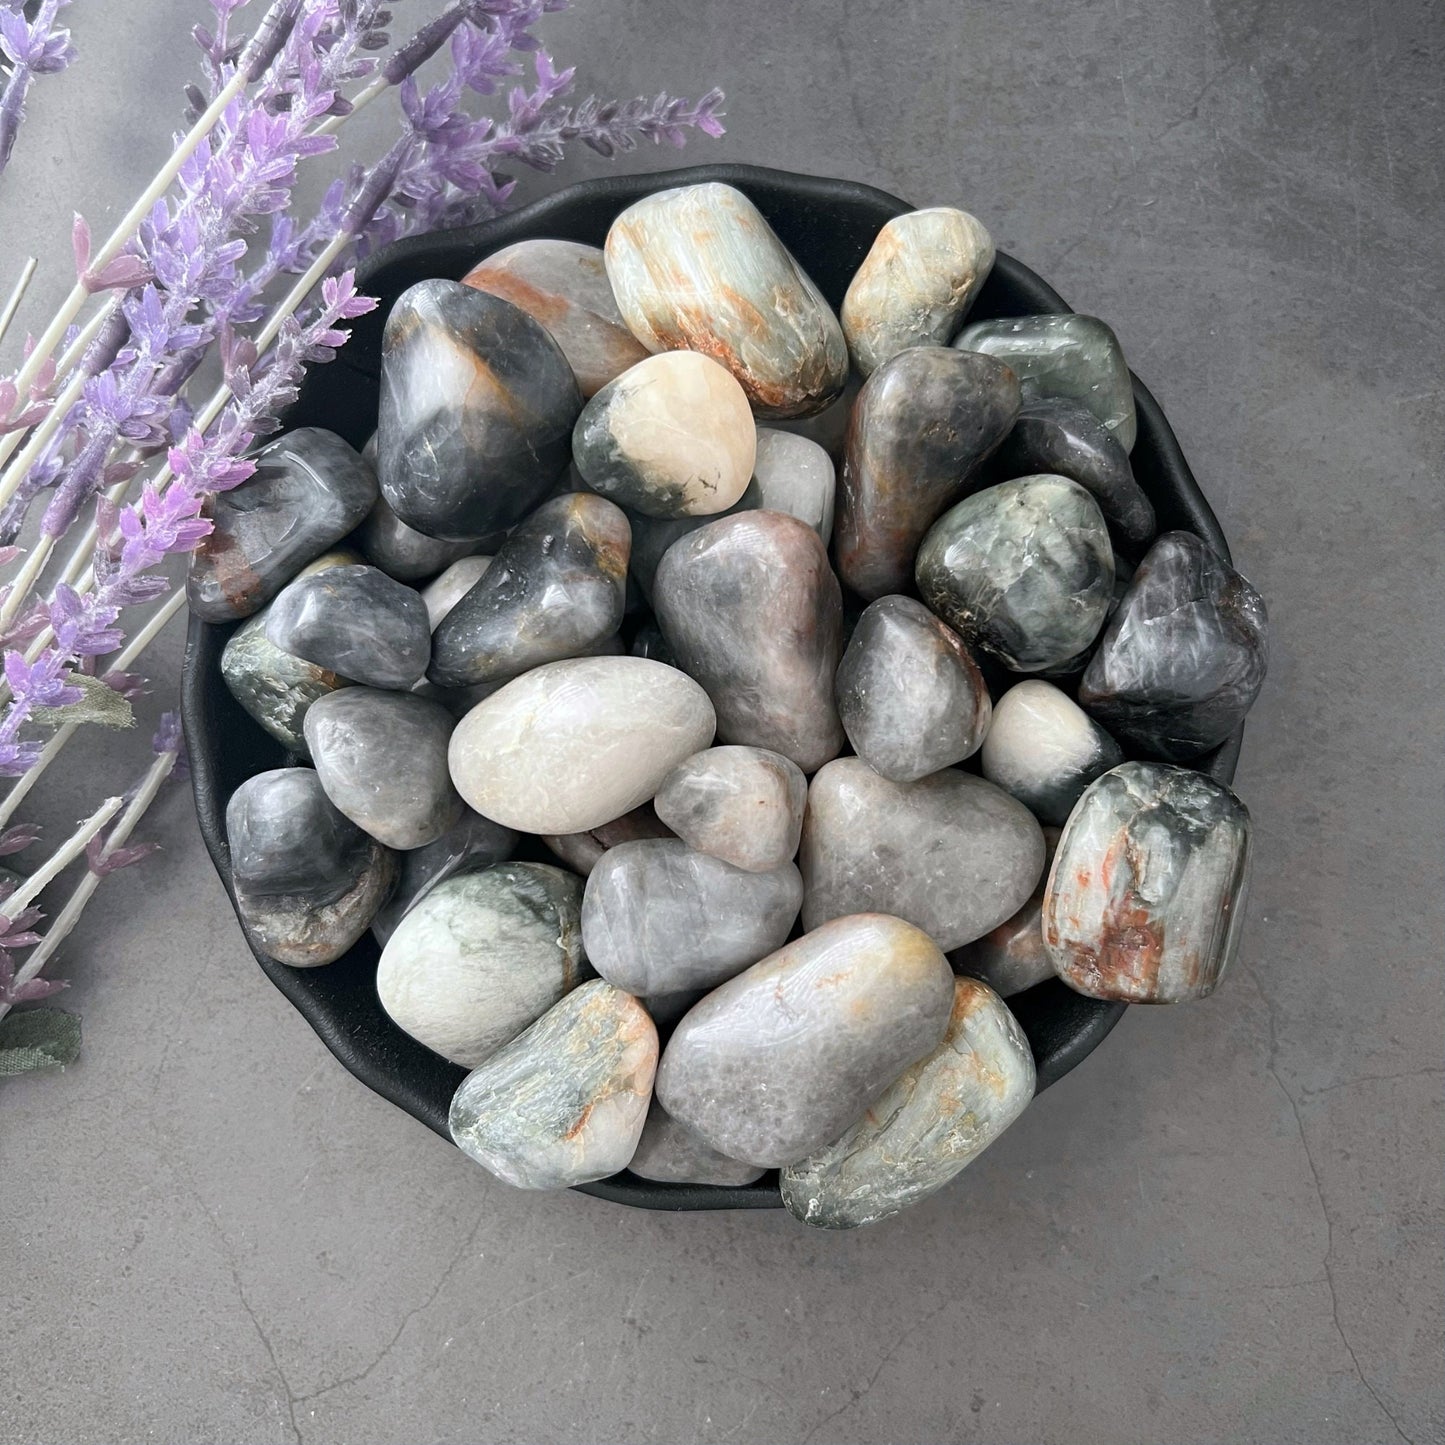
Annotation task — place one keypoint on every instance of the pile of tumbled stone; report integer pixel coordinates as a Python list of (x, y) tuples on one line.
[(589, 613)]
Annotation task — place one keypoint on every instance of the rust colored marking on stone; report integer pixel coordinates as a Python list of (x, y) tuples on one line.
[(544, 307)]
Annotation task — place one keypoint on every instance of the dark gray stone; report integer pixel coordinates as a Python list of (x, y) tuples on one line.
[(403, 552), (922, 425), (308, 491), (781, 1059), (1146, 896), (1023, 570), (1184, 656), (477, 408), (672, 1154), (355, 621), (652, 536), (555, 589), (1012, 957), (581, 851)]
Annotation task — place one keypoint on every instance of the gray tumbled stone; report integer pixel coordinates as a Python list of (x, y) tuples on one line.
[(382, 759), (355, 621), (308, 491), (442, 594), (781, 1059), (1023, 570), (403, 552), (564, 1102), (1012, 957), (482, 956), (910, 695), (307, 880), (950, 853), (1044, 750), (743, 805), (672, 1154), (934, 1120), (1146, 896), (581, 852), (794, 474), (659, 917)]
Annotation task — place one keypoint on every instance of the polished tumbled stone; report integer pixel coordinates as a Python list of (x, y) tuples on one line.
[(915, 285), (1146, 896), (1065, 355), (660, 917), (752, 610), (910, 695), (357, 622), (469, 845), (670, 1153), (308, 881), (272, 685), (697, 268), (672, 437), (581, 852), (743, 805), (795, 475), (652, 536), (308, 491), (781, 1059), (1023, 570), (572, 745), (648, 641), (481, 957), (401, 551), (1184, 656), (563, 286), (934, 1120), (555, 588), (921, 427), (442, 594), (382, 759), (1044, 749), (1063, 437), (1012, 957), (477, 409), (563, 1103), (951, 853)]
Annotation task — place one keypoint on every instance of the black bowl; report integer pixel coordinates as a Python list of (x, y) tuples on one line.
[(828, 225)]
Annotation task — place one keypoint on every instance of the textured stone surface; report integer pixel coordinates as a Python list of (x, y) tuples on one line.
[(308, 491), (697, 268), (581, 851), (1066, 439), (481, 957), (308, 881), (743, 805), (915, 285), (1067, 355), (469, 845), (752, 610), (1012, 957), (1184, 656), (1145, 897), (382, 759), (793, 474), (921, 427), (444, 592), (401, 551), (564, 1102), (477, 406), (910, 695), (950, 853), (563, 286), (779, 1060), (672, 1154), (672, 437), (1045, 750), (934, 1120), (554, 590), (272, 685), (356, 621), (572, 745), (660, 917), (1023, 569)]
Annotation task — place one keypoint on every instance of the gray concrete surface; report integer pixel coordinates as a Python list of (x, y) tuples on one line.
[(1227, 1225)]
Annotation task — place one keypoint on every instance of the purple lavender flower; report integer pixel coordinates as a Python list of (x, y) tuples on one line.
[(35, 48)]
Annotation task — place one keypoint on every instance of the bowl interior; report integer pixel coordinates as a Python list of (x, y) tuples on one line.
[(828, 225)]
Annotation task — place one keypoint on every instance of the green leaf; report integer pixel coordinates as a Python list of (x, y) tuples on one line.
[(38, 1038), (101, 704)]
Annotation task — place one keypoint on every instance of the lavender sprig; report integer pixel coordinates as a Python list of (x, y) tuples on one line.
[(39, 47)]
